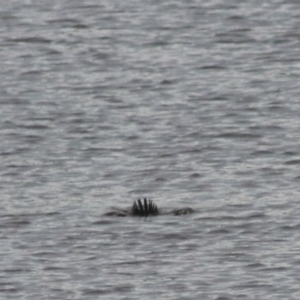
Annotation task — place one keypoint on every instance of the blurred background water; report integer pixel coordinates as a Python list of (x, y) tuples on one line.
[(190, 103)]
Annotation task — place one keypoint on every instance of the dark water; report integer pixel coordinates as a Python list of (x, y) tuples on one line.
[(190, 103)]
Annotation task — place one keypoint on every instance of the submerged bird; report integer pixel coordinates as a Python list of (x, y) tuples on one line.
[(145, 208)]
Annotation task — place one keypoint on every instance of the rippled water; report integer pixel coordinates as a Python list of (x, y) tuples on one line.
[(190, 103)]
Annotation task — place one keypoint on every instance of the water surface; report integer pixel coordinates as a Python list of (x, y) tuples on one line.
[(192, 103)]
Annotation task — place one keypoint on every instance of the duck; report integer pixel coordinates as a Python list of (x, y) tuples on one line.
[(146, 208)]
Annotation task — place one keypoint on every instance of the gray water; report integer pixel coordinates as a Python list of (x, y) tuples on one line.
[(189, 103)]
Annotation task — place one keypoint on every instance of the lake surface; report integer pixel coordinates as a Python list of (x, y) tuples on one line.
[(188, 103)]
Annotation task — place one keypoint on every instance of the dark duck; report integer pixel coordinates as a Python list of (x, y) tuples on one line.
[(146, 208)]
